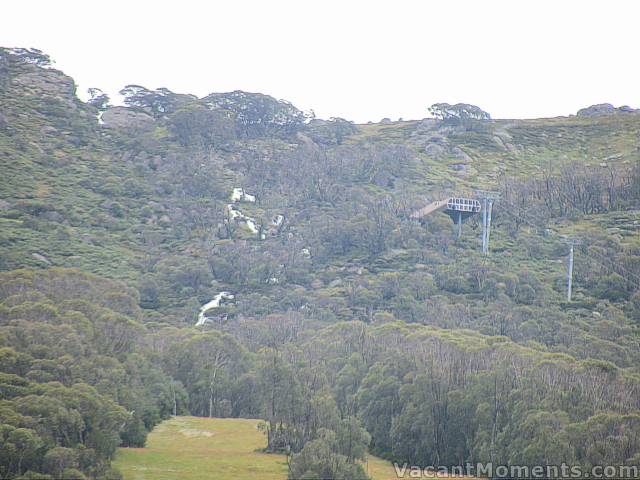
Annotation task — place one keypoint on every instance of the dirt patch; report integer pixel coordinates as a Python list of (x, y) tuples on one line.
[(192, 432)]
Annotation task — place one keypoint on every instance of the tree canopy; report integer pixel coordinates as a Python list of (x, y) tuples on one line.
[(459, 114)]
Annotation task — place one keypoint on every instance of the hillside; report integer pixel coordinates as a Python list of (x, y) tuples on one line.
[(151, 206), (229, 256)]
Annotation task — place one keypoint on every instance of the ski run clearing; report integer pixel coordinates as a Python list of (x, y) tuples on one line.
[(193, 448)]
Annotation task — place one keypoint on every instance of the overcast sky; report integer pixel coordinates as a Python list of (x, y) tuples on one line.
[(361, 60)]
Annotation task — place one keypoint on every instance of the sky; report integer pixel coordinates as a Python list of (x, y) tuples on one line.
[(360, 60)]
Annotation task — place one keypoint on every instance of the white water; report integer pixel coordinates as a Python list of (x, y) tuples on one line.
[(239, 195), (215, 303), (277, 220), (250, 222), (233, 213)]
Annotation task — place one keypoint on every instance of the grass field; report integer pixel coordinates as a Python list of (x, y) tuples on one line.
[(191, 448)]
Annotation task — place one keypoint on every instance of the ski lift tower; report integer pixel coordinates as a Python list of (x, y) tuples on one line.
[(572, 242), (488, 198)]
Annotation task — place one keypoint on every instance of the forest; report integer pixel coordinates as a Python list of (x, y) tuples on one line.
[(234, 256)]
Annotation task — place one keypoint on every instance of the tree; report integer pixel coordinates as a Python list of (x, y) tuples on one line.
[(352, 440), (98, 98), (378, 404), (159, 102), (320, 459), (30, 55), (332, 131), (197, 126), (462, 114), (281, 399), (612, 287), (16, 445), (207, 364), (258, 115), (59, 459)]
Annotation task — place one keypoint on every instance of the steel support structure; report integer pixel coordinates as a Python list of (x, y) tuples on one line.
[(488, 198), (572, 242)]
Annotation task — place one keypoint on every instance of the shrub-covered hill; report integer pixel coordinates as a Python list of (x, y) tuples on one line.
[(144, 194), (293, 231)]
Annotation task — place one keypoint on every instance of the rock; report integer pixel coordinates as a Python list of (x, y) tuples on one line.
[(458, 154), (4, 205), (434, 151), (459, 167), (53, 216), (385, 121), (41, 258), (599, 109), (428, 124), (436, 146), (512, 148), (499, 142), (48, 130), (604, 109), (123, 117), (438, 139), (310, 144), (155, 162), (503, 143), (47, 82)]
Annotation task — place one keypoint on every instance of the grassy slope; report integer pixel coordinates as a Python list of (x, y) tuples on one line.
[(518, 148), (191, 448)]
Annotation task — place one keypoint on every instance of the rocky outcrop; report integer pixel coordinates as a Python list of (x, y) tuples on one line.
[(459, 154), (41, 258), (122, 117), (46, 82), (604, 109), (436, 145), (434, 150)]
